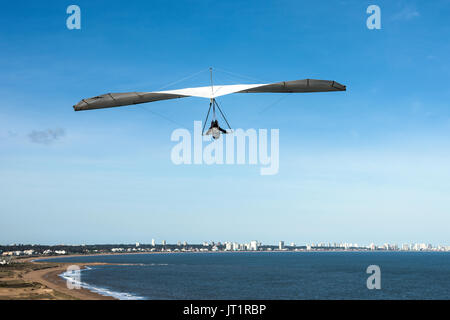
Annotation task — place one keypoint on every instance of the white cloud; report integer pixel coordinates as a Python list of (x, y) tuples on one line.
[(47, 136)]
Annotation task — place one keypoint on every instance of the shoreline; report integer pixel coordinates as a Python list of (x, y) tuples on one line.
[(51, 279)]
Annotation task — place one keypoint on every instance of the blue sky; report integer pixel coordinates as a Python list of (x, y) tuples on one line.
[(370, 164)]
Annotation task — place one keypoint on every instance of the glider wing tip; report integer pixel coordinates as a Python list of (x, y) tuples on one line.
[(339, 86), (76, 108)]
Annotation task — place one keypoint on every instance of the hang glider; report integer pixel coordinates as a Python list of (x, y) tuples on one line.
[(110, 100), (211, 92)]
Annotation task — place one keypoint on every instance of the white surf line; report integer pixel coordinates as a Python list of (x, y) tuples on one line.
[(99, 290)]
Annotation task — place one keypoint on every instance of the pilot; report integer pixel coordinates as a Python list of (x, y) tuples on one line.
[(215, 130), (215, 124)]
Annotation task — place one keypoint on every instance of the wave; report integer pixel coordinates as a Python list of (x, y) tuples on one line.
[(74, 279)]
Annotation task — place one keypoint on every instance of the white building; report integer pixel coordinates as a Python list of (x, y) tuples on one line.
[(153, 242), (254, 245), (281, 245)]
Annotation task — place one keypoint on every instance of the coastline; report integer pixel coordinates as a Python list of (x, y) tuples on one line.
[(50, 278)]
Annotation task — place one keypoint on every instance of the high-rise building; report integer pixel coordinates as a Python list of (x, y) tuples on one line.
[(281, 245), (254, 245), (164, 242), (153, 242)]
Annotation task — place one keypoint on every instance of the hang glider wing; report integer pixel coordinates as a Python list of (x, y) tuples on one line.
[(306, 85), (123, 99), (110, 100)]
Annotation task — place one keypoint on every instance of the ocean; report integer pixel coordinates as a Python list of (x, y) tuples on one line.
[(268, 275)]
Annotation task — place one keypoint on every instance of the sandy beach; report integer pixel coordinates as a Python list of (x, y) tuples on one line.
[(32, 280), (51, 279)]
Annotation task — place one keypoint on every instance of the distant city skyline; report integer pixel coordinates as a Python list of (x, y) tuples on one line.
[(9, 252), (254, 244)]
